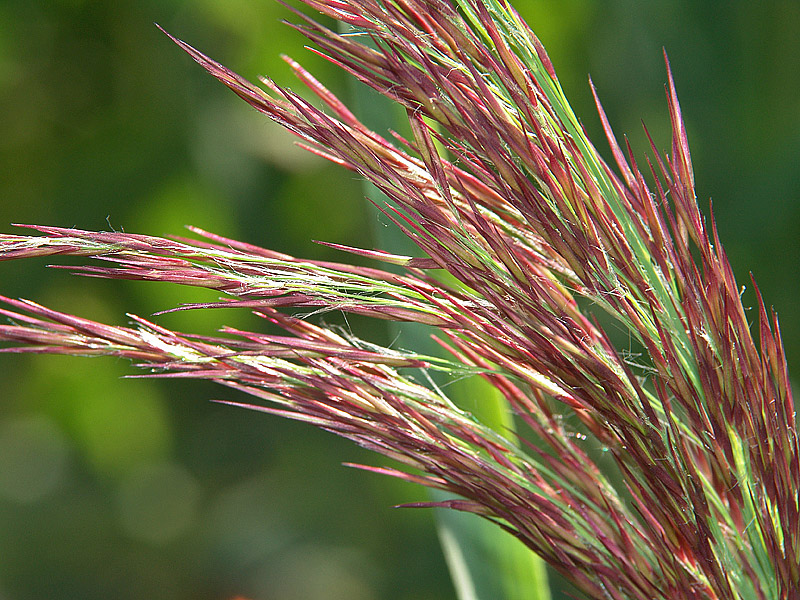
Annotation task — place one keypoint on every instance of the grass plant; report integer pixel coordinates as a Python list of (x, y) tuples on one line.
[(532, 249)]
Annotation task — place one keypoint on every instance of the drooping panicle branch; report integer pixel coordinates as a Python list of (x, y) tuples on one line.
[(355, 390)]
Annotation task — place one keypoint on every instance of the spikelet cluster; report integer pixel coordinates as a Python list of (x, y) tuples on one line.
[(540, 240)]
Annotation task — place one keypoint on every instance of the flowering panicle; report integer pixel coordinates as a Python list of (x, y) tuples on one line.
[(500, 188)]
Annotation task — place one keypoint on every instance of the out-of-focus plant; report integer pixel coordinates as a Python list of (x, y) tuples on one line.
[(533, 250)]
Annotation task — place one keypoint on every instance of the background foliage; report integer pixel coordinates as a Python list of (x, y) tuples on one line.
[(138, 489)]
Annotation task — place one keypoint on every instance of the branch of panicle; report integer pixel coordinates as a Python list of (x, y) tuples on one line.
[(316, 376), (579, 230)]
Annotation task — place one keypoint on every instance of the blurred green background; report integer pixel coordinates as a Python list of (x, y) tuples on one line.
[(124, 489)]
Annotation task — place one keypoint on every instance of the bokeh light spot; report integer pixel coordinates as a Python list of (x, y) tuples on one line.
[(34, 458), (157, 503)]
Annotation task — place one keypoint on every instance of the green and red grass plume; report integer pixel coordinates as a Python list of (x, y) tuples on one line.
[(531, 248)]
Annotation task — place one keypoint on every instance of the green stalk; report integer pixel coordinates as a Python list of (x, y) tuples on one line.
[(486, 562)]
